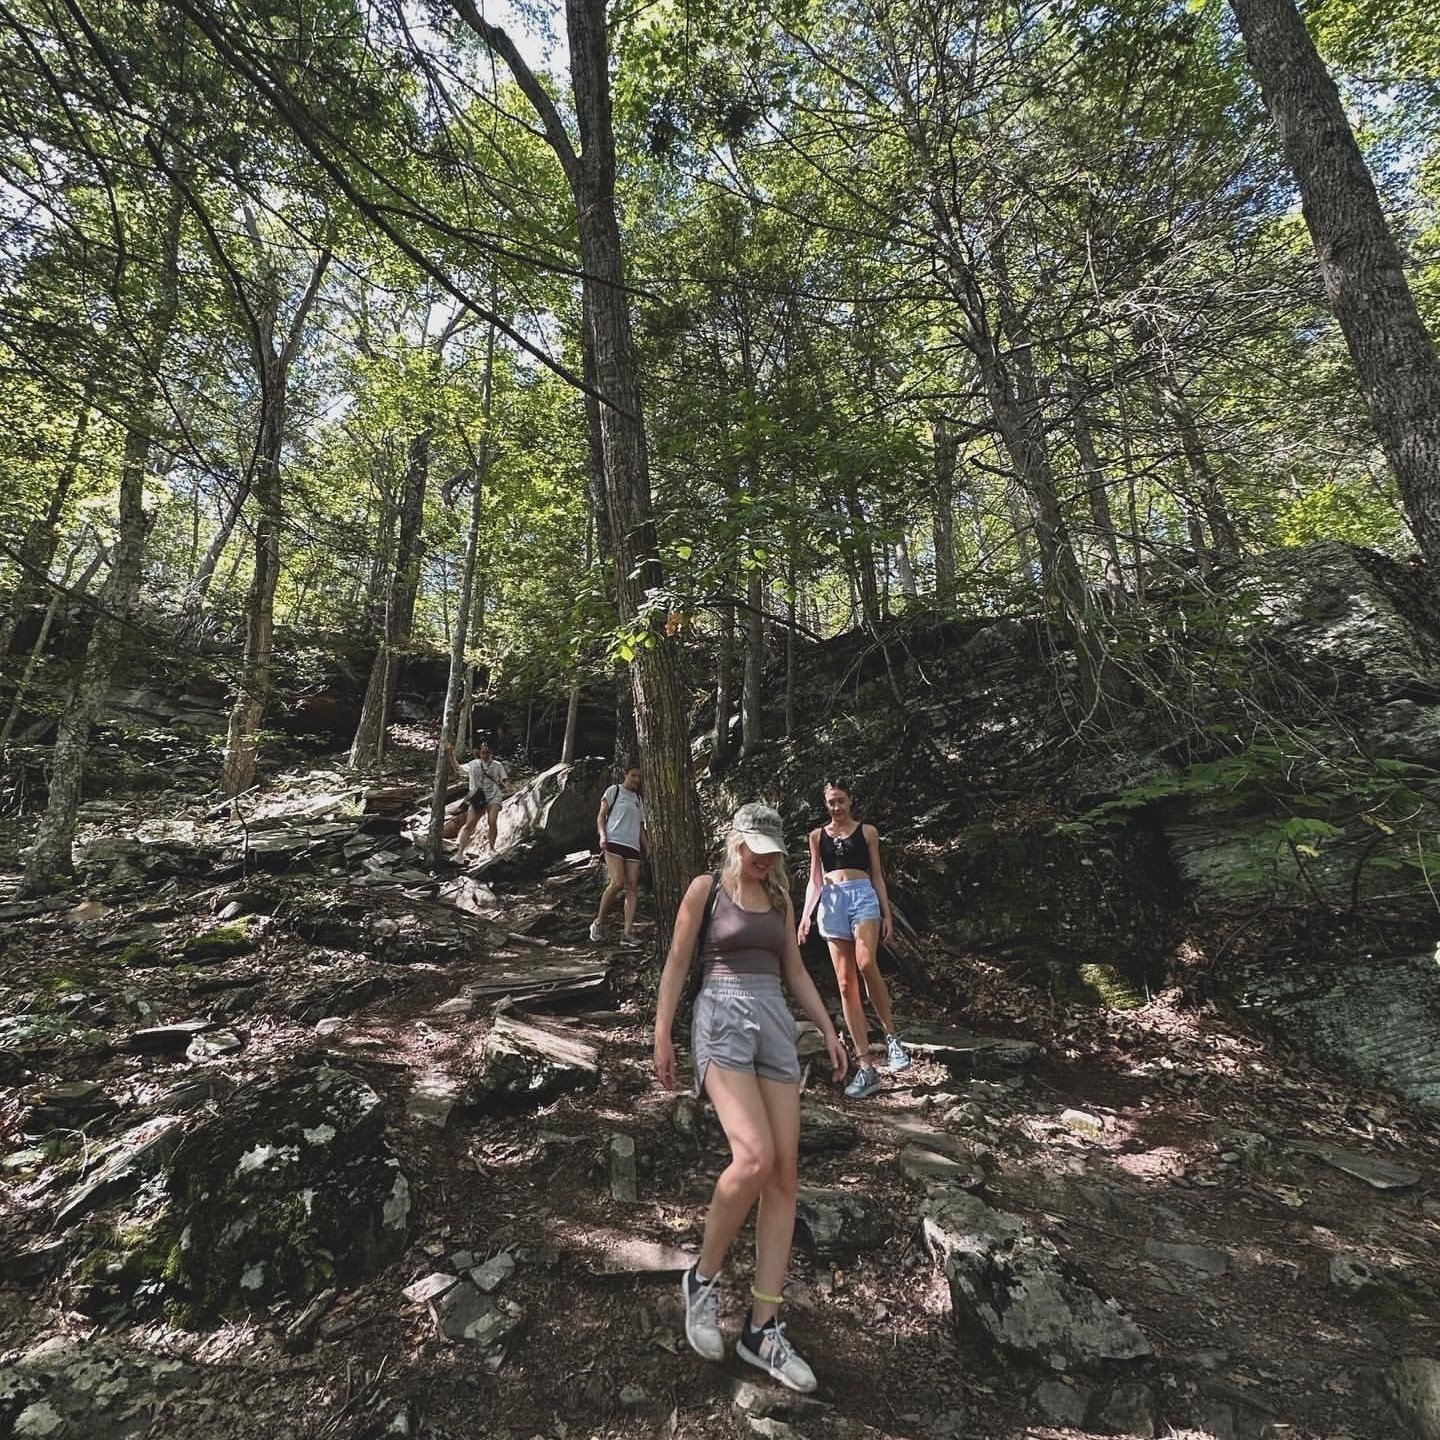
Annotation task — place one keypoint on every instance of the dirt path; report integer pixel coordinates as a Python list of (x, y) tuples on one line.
[(1154, 1149)]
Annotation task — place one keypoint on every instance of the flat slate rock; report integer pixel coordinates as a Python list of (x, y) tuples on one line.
[(121, 1165), (615, 1252), (432, 1100), (1380, 1174), (929, 1167), (166, 1039), (535, 981), (527, 1066), (976, 1054), (825, 1130), (1199, 1258)]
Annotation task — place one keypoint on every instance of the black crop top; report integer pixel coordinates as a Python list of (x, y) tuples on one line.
[(845, 852)]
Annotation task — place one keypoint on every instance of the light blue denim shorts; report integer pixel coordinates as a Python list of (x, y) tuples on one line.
[(743, 1022), (843, 905)]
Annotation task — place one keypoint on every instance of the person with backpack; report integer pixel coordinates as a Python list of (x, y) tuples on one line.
[(847, 882), (623, 840), (739, 927), (489, 783)]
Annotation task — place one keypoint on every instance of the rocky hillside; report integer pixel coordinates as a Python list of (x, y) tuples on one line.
[(302, 1141)]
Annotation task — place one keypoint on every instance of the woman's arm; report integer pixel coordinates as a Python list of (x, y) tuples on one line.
[(672, 977), (877, 879), (812, 889), (602, 817), (803, 991), (455, 765)]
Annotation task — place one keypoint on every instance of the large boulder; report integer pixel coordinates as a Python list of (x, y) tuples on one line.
[(291, 1188), (76, 1388), (555, 811), (1013, 1288), (1379, 1019)]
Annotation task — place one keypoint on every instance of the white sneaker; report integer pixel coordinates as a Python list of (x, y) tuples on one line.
[(702, 1315), (596, 933), (775, 1357), (896, 1053)]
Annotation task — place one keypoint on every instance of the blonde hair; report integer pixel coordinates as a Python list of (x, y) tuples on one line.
[(777, 878)]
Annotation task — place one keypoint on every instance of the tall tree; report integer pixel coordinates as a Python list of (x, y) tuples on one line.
[(660, 718), (1360, 263)]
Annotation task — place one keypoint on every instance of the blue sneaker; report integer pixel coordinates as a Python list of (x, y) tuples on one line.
[(898, 1055), (865, 1081)]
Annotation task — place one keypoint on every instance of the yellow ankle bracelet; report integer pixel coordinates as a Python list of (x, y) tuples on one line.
[(768, 1299)]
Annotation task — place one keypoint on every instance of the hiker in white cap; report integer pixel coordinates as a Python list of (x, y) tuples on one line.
[(740, 926)]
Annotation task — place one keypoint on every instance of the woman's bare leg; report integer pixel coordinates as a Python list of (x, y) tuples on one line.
[(615, 868), (867, 942), (743, 1116), (847, 976), (632, 895), (775, 1224)]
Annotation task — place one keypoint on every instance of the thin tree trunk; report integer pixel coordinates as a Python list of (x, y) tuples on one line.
[(205, 575), (37, 650), (37, 550), (672, 811), (905, 570), (1360, 263), (458, 678), (947, 455), (864, 551), (1112, 572), (752, 712), (724, 687), (572, 724), (792, 646), (253, 694), (368, 746), (50, 862), (272, 358)]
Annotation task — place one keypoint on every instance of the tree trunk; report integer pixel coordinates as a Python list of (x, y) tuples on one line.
[(50, 863), (672, 811), (457, 680), (205, 575), (572, 725), (37, 550), (368, 746), (724, 687), (947, 456), (864, 552), (272, 355), (752, 708), (37, 650), (253, 694), (1360, 263), (905, 570), (1112, 572)]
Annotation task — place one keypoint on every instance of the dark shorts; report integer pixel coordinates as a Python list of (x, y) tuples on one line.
[(742, 1022), (625, 852)]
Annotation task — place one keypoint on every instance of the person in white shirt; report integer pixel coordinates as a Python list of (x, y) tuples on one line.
[(489, 784), (623, 840)]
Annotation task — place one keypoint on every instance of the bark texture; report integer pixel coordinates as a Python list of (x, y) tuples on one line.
[(1360, 262)]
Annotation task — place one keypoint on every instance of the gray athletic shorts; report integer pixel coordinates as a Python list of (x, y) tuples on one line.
[(743, 1023)]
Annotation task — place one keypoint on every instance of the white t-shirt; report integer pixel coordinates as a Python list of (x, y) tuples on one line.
[(486, 779), (626, 817)]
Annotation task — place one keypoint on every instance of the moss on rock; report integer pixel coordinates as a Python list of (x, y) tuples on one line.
[(220, 942), (288, 1191)]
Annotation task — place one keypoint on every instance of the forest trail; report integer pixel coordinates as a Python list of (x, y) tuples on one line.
[(1171, 1160)]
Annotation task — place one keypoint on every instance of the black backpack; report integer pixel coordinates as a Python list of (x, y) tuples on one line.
[(696, 977)]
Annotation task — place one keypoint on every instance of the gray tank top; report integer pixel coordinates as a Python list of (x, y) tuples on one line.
[(743, 942)]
